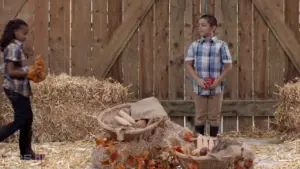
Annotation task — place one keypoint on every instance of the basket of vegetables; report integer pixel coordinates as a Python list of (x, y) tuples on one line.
[(119, 122), (214, 153)]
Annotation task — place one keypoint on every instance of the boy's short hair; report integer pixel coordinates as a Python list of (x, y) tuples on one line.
[(212, 21)]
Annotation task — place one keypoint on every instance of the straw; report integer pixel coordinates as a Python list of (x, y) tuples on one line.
[(65, 107)]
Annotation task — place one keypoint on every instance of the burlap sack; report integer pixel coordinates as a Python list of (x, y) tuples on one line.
[(148, 108), (166, 133), (240, 156)]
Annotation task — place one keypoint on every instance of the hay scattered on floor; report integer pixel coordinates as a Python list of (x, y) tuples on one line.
[(66, 155), (287, 115), (75, 155), (250, 133), (65, 107), (278, 156)]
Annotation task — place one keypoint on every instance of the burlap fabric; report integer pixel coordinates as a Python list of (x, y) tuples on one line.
[(167, 134), (227, 154), (147, 108)]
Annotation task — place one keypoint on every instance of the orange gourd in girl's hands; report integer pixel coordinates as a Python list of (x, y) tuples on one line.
[(32, 73), (39, 63), (39, 66)]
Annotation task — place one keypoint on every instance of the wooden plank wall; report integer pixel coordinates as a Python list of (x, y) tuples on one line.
[(70, 39), (259, 62)]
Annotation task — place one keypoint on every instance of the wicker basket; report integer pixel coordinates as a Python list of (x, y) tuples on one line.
[(126, 135), (204, 162)]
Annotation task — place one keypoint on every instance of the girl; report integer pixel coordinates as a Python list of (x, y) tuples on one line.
[(17, 87)]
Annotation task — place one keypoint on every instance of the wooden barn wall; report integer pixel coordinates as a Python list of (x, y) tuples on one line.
[(152, 62)]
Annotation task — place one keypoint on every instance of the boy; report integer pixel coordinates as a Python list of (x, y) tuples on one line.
[(208, 62)]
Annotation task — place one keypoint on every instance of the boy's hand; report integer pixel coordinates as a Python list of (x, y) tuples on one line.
[(201, 83), (214, 85)]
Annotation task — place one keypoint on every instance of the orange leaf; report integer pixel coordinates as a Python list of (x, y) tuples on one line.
[(130, 160), (192, 165), (153, 164), (102, 141), (99, 141), (141, 164), (188, 136), (138, 157), (178, 149), (145, 154), (105, 162), (114, 156), (120, 166), (106, 142), (111, 149)]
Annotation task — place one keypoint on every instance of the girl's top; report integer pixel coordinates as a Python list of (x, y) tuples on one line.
[(14, 53)]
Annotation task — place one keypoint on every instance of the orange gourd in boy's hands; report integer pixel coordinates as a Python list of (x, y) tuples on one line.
[(209, 81)]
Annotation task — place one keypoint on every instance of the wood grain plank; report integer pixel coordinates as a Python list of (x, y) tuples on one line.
[(229, 123), (100, 33), (67, 35), (12, 7), (81, 37), (247, 108), (59, 36), (130, 57), (211, 7), (178, 120), (2, 23), (121, 37), (8, 10), (41, 34), (190, 123), (245, 123), (188, 39), (196, 17), (161, 49), (245, 49), (146, 48), (260, 57), (277, 57), (283, 33), (114, 21), (176, 60), (230, 36), (261, 123), (218, 13), (292, 21), (27, 14), (24, 13)]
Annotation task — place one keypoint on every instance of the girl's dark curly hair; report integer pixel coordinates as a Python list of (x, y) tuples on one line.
[(9, 32)]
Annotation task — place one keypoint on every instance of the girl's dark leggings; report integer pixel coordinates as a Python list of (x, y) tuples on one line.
[(23, 118)]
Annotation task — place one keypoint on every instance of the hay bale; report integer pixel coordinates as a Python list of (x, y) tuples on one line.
[(287, 114), (65, 107)]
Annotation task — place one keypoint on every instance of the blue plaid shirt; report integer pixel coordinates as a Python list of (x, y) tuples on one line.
[(208, 58), (14, 53)]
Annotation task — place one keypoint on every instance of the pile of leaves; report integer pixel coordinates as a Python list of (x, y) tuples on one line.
[(146, 160)]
